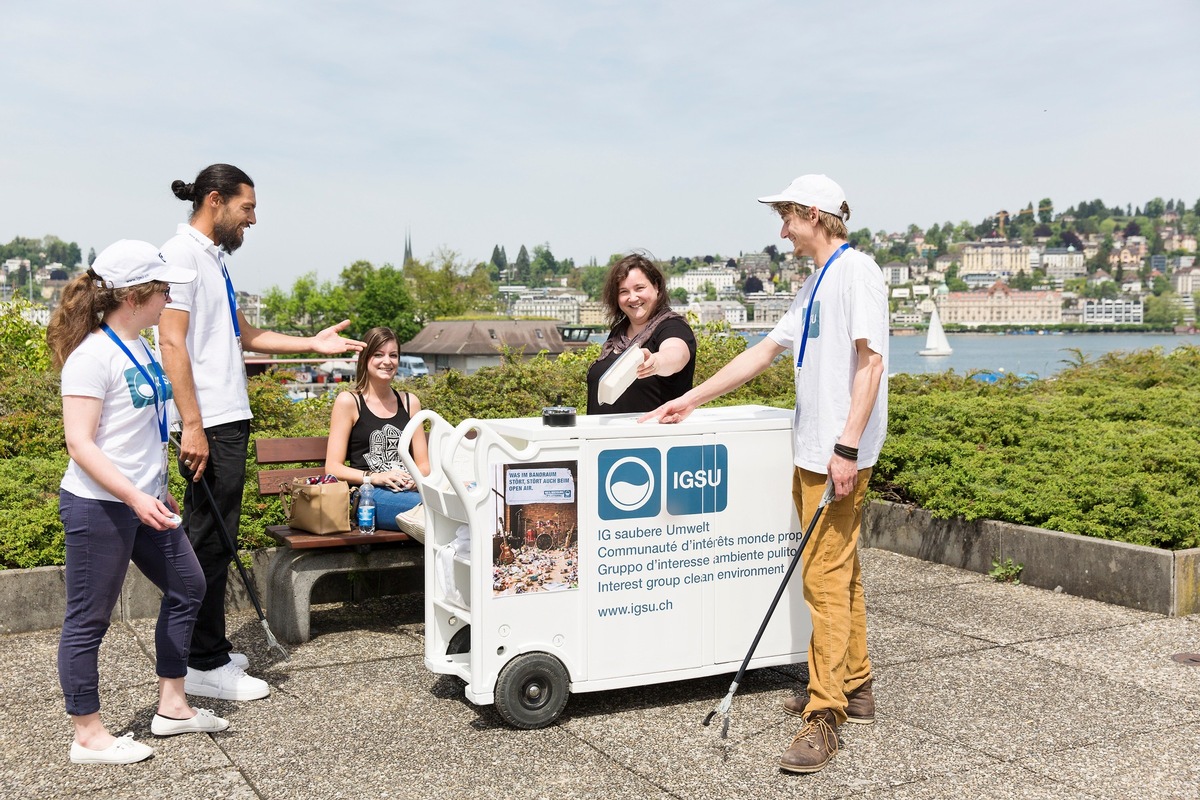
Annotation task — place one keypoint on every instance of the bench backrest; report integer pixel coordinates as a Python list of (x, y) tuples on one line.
[(288, 451)]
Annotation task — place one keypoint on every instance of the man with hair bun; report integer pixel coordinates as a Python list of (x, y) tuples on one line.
[(837, 330), (202, 335)]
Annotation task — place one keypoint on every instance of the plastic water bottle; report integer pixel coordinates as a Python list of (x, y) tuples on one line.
[(366, 508)]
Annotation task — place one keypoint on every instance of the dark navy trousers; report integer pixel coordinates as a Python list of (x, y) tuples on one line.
[(102, 537)]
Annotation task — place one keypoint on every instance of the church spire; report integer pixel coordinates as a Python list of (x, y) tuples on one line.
[(407, 247)]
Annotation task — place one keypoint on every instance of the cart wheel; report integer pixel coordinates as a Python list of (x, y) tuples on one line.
[(459, 642), (532, 690)]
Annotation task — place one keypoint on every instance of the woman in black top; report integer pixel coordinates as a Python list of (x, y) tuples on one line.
[(635, 296), (365, 427)]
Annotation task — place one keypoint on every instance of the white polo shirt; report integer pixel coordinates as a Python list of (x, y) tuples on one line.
[(218, 371), (851, 304)]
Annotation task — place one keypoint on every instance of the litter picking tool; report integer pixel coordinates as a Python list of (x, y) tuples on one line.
[(725, 704), (272, 642)]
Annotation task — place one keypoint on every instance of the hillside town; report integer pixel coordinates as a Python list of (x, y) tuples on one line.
[(1089, 266)]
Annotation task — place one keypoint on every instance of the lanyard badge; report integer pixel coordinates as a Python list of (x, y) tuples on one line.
[(156, 383), (812, 312)]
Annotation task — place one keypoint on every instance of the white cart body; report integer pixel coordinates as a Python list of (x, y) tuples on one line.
[(683, 534)]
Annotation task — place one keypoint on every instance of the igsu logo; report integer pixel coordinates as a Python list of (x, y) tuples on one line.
[(630, 484), (697, 479)]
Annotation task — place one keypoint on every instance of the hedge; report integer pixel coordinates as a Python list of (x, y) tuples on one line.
[(1108, 448)]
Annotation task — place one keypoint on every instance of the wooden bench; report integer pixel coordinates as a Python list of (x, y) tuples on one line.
[(302, 558)]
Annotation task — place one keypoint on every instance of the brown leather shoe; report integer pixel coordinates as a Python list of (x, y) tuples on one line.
[(860, 704), (813, 746)]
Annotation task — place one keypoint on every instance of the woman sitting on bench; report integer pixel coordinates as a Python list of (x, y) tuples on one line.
[(365, 427)]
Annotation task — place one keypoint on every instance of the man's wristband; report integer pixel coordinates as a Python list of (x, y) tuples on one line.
[(846, 452)]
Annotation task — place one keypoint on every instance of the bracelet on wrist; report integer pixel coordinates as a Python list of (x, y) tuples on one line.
[(846, 452)]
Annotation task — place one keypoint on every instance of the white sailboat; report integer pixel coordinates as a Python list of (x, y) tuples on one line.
[(936, 343)]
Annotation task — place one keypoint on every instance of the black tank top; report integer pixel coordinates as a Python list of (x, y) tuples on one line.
[(374, 441)]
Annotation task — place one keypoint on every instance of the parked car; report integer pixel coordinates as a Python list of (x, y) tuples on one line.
[(411, 367)]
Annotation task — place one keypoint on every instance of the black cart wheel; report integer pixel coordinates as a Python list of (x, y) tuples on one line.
[(460, 642), (532, 690)]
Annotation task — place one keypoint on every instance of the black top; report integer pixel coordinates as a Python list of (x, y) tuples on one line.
[(647, 394), (375, 442)]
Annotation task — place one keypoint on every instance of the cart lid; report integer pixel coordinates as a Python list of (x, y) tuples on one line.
[(732, 419)]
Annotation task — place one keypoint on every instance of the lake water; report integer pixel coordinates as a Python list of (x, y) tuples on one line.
[(1041, 355)]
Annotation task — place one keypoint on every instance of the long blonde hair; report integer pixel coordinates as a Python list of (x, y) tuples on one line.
[(84, 304)]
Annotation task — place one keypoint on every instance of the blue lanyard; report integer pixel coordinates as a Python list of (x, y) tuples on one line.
[(232, 297), (811, 298), (160, 407)]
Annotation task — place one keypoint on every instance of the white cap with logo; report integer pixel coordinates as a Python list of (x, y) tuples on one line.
[(814, 191), (130, 262)]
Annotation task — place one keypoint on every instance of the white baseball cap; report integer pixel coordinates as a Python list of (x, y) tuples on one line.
[(130, 262), (814, 191)]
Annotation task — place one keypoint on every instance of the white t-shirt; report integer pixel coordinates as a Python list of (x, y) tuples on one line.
[(218, 371), (128, 432), (851, 304)]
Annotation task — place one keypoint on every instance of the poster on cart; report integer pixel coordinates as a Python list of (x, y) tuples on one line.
[(536, 544)]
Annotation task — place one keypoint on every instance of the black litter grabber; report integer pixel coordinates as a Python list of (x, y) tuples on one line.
[(272, 642), (724, 706)]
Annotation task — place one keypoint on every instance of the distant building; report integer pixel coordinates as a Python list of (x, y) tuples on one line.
[(993, 257), (896, 273), (469, 345), (592, 312), (1000, 305), (1063, 263), (713, 311), (563, 309), (769, 310), (752, 262), (695, 280), (1112, 312)]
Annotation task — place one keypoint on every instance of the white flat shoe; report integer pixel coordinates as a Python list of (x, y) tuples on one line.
[(123, 751), (205, 721)]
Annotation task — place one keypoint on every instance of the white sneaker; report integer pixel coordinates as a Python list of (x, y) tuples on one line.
[(240, 660), (123, 751), (205, 721), (229, 682)]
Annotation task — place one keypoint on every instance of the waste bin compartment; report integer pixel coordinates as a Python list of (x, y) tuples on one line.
[(624, 553)]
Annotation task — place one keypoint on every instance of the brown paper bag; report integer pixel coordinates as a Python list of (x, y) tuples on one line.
[(316, 508)]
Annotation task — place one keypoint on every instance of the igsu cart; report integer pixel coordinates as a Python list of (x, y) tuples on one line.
[(606, 555)]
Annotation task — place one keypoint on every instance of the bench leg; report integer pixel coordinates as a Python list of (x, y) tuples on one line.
[(294, 572)]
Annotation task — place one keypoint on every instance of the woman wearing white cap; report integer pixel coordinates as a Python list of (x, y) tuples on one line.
[(113, 500)]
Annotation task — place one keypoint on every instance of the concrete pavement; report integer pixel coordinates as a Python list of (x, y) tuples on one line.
[(984, 690)]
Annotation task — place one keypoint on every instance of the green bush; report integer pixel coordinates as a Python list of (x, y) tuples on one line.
[(1109, 448)]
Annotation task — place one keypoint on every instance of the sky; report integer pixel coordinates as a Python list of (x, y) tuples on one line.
[(593, 127)]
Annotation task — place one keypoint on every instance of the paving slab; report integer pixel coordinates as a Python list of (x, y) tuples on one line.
[(1010, 704), (1129, 765), (1005, 613), (995, 782), (983, 690)]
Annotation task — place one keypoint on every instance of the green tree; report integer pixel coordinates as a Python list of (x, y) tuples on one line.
[(544, 267), (1045, 211), (1100, 260), (385, 301), (520, 271), (679, 296), (445, 289), (710, 291), (1162, 309), (499, 263), (309, 306), (355, 277)]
